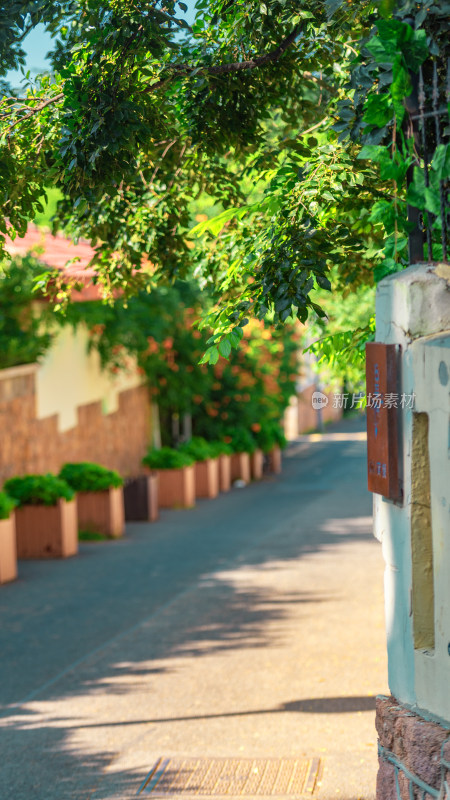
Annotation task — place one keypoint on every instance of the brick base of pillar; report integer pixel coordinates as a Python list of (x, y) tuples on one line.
[(413, 754)]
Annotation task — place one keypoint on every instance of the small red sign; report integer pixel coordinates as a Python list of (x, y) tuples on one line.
[(382, 441)]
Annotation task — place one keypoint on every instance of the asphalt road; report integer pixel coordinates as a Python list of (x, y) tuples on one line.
[(251, 625)]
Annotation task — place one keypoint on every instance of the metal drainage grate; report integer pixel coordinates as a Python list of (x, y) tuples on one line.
[(281, 777)]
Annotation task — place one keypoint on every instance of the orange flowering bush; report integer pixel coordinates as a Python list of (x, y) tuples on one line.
[(158, 328), (253, 386)]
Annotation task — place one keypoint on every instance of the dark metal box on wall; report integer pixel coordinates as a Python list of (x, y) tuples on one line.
[(382, 411)]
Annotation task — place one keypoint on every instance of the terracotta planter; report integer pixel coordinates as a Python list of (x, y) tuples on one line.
[(240, 467), (8, 549), (275, 460), (47, 531), (141, 498), (177, 487), (257, 463), (207, 478), (102, 512), (224, 473)]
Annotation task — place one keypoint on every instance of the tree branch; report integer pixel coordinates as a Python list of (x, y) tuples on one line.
[(252, 63), (237, 66), (48, 102), (166, 150)]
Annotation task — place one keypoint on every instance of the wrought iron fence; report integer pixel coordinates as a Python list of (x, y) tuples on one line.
[(428, 123)]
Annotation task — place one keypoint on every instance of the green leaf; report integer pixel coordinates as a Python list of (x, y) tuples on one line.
[(378, 110), (416, 51), (432, 200), (234, 339), (323, 282), (415, 195), (216, 224), (373, 152), (441, 161), (224, 348), (211, 356), (400, 87), (319, 310), (384, 51), (384, 211)]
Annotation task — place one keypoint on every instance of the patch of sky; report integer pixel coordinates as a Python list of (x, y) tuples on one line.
[(36, 45)]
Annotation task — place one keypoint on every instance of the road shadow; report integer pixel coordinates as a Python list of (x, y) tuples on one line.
[(123, 601), (38, 761), (312, 705)]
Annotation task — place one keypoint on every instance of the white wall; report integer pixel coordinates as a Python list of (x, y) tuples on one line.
[(69, 377)]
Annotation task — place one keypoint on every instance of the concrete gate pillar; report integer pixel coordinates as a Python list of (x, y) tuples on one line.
[(413, 312)]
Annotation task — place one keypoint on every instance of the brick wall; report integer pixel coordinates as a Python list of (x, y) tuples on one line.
[(27, 444)]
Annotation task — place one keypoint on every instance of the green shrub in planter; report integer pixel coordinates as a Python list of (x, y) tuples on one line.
[(198, 449), (270, 435), (7, 504), (39, 490), (91, 536), (167, 458), (99, 497), (87, 477), (241, 441), (220, 449)]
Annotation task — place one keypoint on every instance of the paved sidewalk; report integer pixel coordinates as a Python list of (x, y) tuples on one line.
[(249, 627)]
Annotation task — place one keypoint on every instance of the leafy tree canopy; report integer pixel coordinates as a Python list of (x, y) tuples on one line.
[(259, 106), (143, 112)]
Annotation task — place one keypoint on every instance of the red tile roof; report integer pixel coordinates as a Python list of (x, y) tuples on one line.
[(55, 252)]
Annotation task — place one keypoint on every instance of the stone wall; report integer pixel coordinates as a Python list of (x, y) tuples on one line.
[(117, 440), (414, 754)]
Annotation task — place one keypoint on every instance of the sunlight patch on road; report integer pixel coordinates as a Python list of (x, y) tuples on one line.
[(348, 525), (357, 436)]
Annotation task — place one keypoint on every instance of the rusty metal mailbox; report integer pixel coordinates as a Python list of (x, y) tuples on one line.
[(382, 439)]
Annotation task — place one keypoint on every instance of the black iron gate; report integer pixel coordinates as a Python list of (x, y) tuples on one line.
[(428, 124)]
